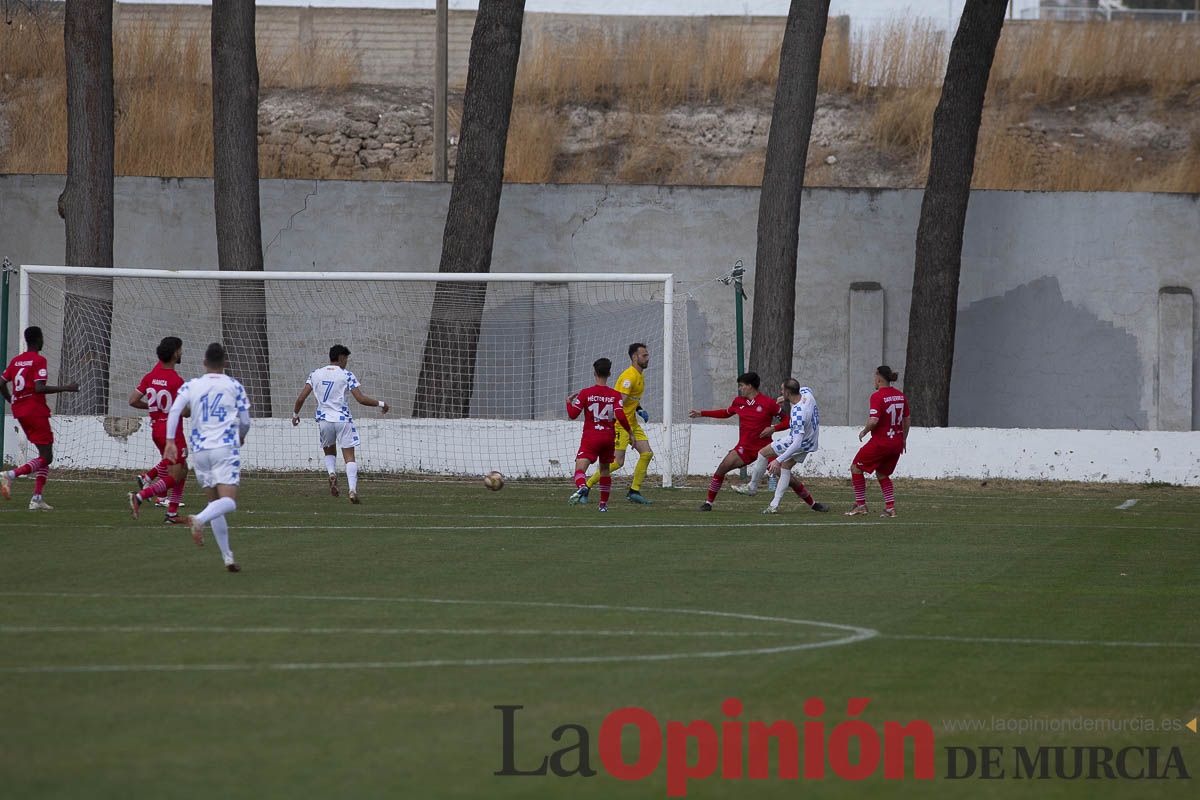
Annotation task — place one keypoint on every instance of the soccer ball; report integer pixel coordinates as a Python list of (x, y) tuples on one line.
[(494, 481)]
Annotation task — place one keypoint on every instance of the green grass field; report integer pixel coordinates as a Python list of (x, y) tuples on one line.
[(362, 649)]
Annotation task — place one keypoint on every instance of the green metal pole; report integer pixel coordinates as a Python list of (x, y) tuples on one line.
[(738, 296), (6, 269)]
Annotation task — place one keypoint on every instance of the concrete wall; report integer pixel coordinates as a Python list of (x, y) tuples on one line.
[(1063, 318)]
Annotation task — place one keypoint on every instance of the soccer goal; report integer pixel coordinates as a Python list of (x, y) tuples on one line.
[(476, 367)]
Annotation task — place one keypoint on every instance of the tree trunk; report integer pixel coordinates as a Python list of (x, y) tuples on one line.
[(782, 187), (448, 368), (86, 204), (235, 188), (934, 311)]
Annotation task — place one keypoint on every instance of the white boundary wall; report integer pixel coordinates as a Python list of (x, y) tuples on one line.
[(1066, 455)]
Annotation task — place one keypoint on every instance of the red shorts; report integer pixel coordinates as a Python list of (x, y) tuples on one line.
[(180, 444), (747, 449), (37, 429), (874, 457), (601, 451)]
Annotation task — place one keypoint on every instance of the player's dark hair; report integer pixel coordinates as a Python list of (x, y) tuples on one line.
[(603, 367), (33, 336), (167, 348), (337, 351), (633, 348), (886, 373), (791, 386), (749, 378), (214, 355)]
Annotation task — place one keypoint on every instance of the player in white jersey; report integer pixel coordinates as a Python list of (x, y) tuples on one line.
[(804, 425), (331, 384), (220, 419)]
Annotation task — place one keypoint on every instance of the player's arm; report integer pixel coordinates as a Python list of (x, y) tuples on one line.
[(243, 423), (715, 413), (4, 390), (872, 420), (304, 393), (137, 399), (367, 401), (574, 407), (41, 387), (624, 420)]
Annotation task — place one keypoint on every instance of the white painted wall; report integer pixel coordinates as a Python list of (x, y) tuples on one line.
[(546, 450)]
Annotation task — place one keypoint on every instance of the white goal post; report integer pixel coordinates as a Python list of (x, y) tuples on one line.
[(530, 338)]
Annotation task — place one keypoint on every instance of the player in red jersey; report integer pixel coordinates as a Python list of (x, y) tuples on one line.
[(155, 393), (888, 425), (601, 407), (27, 374), (756, 413)]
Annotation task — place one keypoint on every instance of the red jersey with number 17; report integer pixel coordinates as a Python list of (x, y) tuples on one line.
[(159, 386), (601, 409), (889, 406), (22, 374)]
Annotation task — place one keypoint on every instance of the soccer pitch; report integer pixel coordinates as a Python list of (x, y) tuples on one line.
[(363, 649)]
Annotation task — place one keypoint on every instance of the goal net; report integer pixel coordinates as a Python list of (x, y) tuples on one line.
[(476, 368)]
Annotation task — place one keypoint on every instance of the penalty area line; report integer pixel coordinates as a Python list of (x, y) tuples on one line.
[(1023, 641)]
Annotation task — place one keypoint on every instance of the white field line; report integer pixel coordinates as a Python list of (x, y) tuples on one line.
[(187, 629), (1126, 505), (851, 634), (1051, 642)]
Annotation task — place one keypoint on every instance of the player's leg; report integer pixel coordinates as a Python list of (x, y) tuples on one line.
[(582, 461), (348, 440), (42, 474), (750, 487), (30, 468), (781, 486), (327, 431), (862, 462), (641, 443), (219, 473), (884, 474), (605, 484), (178, 471), (730, 462)]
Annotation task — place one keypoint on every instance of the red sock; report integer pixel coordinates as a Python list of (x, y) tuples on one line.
[(30, 468), (580, 479), (176, 495), (799, 489), (160, 486), (860, 488), (605, 488), (889, 497), (715, 486), (39, 483)]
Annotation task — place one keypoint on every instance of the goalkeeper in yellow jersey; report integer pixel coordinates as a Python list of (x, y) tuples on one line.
[(630, 384)]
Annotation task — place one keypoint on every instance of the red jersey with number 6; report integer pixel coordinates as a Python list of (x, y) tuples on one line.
[(601, 409), (22, 374), (889, 406), (159, 387)]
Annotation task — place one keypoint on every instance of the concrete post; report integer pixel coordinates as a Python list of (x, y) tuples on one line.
[(441, 60), (1176, 339), (865, 347)]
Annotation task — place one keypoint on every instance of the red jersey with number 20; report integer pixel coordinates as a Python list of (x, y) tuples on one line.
[(601, 409), (889, 406), (23, 372), (159, 387)]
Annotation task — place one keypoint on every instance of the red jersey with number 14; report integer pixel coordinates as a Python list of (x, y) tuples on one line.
[(159, 387), (601, 409), (889, 406), (23, 372)]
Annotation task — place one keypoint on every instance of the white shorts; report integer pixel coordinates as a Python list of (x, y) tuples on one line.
[(781, 445), (220, 466), (342, 434)]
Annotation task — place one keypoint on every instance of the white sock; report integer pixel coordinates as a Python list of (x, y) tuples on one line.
[(352, 475), (11, 474), (220, 530), (217, 508), (331, 465), (756, 471), (785, 480)]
